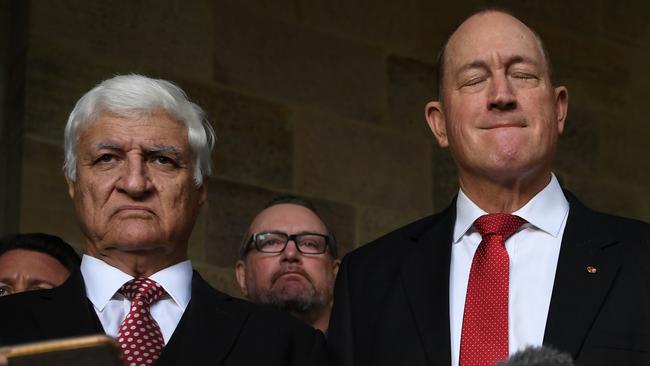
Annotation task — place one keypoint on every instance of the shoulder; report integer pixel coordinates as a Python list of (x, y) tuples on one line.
[(263, 332), (614, 226), (255, 314), (392, 246)]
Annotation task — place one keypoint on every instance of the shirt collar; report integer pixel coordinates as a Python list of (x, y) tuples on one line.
[(102, 281), (546, 211)]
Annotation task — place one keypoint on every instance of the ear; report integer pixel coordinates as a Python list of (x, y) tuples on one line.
[(437, 122), (561, 106), (335, 267), (70, 184), (240, 273)]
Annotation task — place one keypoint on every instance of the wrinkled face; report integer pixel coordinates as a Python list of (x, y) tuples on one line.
[(134, 190), (26, 270), (291, 280), (499, 113)]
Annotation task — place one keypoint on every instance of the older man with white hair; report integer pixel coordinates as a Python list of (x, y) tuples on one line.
[(137, 157)]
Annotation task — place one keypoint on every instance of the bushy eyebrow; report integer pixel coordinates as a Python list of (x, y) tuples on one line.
[(108, 145), (164, 149), (155, 149)]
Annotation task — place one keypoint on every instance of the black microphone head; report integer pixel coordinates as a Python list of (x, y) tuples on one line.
[(538, 356)]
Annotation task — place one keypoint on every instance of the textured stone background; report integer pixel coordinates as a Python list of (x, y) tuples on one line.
[(322, 98)]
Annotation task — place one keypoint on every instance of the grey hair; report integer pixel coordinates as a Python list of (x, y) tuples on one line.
[(136, 96)]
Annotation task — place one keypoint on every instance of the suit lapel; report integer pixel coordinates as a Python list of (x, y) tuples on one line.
[(208, 329), (425, 276), (577, 292)]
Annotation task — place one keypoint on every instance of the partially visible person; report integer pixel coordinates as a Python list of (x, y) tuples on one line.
[(35, 261), (298, 277)]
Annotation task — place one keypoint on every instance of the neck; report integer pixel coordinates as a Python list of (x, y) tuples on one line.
[(502, 196), (317, 318), (136, 263)]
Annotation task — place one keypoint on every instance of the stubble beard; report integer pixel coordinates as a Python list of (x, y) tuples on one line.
[(304, 302)]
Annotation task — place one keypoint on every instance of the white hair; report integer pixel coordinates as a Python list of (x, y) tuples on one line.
[(137, 95)]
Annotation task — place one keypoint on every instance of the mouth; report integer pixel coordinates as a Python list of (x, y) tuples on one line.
[(291, 275), (133, 209), (503, 124)]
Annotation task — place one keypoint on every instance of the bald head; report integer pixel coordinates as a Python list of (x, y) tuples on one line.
[(483, 22)]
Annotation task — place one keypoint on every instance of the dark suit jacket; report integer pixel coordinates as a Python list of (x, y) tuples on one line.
[(216, 329), (391, 303)]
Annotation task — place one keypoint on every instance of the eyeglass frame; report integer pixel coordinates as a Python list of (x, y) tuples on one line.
[(292, 237)]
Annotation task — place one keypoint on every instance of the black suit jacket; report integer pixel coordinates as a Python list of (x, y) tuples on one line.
[(216, 329), (391, 302)]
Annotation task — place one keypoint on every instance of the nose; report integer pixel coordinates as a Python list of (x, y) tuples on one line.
[(134, 180), (291, 253), (501, 95)]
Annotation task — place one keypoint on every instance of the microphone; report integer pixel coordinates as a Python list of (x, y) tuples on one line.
[(538, 356)]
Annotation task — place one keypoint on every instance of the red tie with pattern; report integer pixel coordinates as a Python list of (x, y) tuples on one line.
[(139, 337), (484, 339)]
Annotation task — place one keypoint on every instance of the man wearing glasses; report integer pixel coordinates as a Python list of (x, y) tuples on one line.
[(288, 259)]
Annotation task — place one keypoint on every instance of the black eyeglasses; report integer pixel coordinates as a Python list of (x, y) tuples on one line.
[(276, 242)]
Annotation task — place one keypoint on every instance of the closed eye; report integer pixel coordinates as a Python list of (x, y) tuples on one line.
[(524, 76), (473, 81)]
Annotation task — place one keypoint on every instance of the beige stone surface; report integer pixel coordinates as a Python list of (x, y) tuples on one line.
[(254, 136), (231, 207), (283, 61), (172, 38), (55, 81), (357, 163), (222, 278), (411, 85), (374, 222), (46, 206)]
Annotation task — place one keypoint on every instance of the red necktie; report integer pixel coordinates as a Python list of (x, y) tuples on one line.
[(139, 337), (484, 339)]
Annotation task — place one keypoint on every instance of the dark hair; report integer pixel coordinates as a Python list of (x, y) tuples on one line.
[(440, 59), (51, 245), (298, 201)]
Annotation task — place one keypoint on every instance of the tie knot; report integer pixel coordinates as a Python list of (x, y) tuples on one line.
[(143, 289), (501, 224)]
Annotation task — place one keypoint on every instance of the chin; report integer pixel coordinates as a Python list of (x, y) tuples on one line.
[(136, 239)]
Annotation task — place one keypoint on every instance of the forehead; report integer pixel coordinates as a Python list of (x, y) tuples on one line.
[(485, 36), (29, 261), (151, 128), (289, 218)]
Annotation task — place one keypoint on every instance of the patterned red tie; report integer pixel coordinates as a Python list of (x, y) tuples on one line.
[(139, 337), (484, 339)]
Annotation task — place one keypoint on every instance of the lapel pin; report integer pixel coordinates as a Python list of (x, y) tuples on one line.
[(591, 269)]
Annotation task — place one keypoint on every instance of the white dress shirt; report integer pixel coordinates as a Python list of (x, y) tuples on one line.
[(533, 252), (103, 281)]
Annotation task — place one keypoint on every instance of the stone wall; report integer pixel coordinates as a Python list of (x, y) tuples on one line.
[(325, 99)]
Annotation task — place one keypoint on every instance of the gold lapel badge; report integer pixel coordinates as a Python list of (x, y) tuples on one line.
[(592, 269)]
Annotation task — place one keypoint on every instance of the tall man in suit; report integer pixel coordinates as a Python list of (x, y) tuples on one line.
[(514, 260), (137, 157)]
